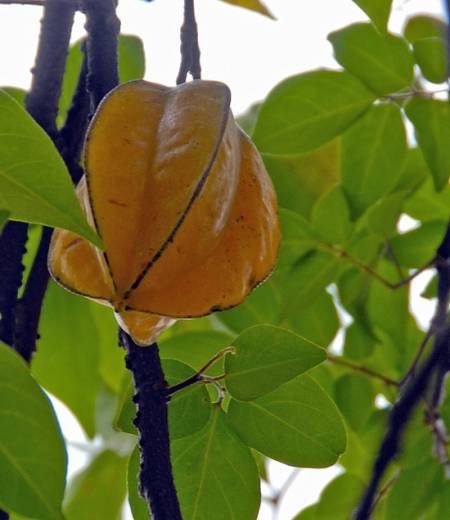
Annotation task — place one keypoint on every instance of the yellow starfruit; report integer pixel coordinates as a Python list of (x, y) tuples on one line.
[(183, 204)]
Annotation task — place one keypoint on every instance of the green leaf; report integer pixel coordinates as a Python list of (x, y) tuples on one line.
[(318, 322), (414, 173), (131, 66), (373, 154), (305, 111), (32, 453), (431, 120), (359, 341), (331, 217), (300, 180), (189, 409), (298, 238), (430, 55), (355, 397), (383, 216), (247, 120), (3, 218), (265, 358), (215, 474), (424, 26), (426, 204), (196, 348), (340, 498), (384, 63), (67, 357), (16, 93), (417, 247), (297, 424), (302, 284), (309, 513), (253, 5), (99, 490), (35, 185), (377, 10), (404, 505), (138, 505), (262, 306)]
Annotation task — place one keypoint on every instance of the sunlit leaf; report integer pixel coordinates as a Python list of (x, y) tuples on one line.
[(305, 111), (35, 185), (430, 55), (32, 452), (266, 357), (377, 10), (384, 63), (253, 5)]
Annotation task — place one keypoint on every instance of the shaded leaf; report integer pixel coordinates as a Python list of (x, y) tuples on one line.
[(417, 247), (297, 424), (214, 471), (355, 397), (431, 120), (67, 357), (373, 154), (300, 180), (35, 185), (331, 217), (424, 26), (377, 10), (340, 498), (384, 63), (305, 111), (430, 55), (265, 358), (383, 216), (32, 453), (99, 490), (253, 5)]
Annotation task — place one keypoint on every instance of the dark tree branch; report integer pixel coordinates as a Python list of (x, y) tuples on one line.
[(416, 386), (12, 249), (103, 28), (156, 480), (42, 104), (190, 50)]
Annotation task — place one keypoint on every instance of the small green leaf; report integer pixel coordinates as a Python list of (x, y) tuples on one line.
[(67, 357), (340, 498), (262, 306), (189, 409), (424, 26), (401, 503), (383, 216), (331, 217), (377, 10), (300, 180), (35, 185), (355, 397), (215, 474), (252, 5), (384, 63), (373, 154), (318, 322), (431, 120), (265, 358), (32, 453), (430, 290), (138, 505), (305, 111), (359, 341), (297, 424), (417, 247), (431, 57), (99, 490), (298, 237), (196, 348)]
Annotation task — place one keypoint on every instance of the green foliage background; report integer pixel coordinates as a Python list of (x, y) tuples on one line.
[(346, 166)]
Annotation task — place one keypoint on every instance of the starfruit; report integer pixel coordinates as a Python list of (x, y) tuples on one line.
[(181, 199)]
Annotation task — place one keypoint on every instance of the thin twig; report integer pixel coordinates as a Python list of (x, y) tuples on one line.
[(383, 491), (39, 3), (156, 480), (199, 376), (412, 369), (190, 50), (364, 370)]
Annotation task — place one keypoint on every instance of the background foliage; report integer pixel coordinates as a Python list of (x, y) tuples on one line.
[(350, 152)]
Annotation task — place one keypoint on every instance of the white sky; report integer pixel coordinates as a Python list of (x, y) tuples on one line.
[(248, 52)]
